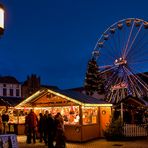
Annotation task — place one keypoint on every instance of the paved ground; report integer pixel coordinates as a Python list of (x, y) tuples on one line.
[(100, 143)]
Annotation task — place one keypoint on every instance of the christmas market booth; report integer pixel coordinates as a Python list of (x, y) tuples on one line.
[(134, 110), (85, 117)]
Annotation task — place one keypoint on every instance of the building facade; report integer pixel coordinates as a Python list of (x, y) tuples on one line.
[(9, 87)]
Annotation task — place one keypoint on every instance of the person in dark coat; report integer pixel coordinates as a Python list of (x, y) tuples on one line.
[(60, 133), (5, 119), (31, 124), (51, 131), (45, 127), (40, 126)]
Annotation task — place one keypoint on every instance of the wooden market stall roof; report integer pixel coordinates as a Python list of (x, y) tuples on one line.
[(57, 97), (135, 101)]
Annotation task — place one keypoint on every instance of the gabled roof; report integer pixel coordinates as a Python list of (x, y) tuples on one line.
[(77, 89), (9, 80), (134, 100), (70, 96), (82, 97)]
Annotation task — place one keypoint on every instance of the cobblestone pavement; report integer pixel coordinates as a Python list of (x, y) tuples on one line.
[(100, 143)]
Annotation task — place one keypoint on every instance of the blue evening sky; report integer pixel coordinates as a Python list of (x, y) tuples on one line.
[(54, 38)]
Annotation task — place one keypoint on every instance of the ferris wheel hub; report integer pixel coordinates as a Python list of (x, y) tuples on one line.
[(120, 61)]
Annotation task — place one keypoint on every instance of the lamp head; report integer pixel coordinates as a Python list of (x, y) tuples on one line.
[(1, 19)]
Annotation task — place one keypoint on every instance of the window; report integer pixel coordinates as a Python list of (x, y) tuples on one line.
[(11, 92), (17, 92), (4, 92), (89, 115), (4, 85)]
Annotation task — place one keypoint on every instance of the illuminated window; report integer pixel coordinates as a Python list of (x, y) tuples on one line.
[(70, 114), (89, 115)]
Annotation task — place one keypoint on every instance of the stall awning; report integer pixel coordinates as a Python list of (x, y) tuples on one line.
[(56, 97)]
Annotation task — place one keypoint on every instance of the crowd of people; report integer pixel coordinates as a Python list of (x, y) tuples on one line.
[(46, 128)]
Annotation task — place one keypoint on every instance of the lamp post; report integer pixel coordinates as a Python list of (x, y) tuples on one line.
[(1, 19)]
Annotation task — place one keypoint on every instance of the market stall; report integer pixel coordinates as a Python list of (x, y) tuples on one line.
[(84, 117)]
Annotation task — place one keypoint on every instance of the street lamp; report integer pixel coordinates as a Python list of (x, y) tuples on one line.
[(1, 19)]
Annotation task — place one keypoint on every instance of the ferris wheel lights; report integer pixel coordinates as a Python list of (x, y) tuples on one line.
[(128, 22), (120, 61), (100, 44), (146, 25), (120, 25), (95, 53), (137, 22), (120, 85), (112, 30), (106, 36)]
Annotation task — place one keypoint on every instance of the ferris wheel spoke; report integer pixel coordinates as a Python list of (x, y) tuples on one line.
[(109, 96), (125, 50), (142, 77), (119, 44), (105, 66), (140, 49), (143, 74), (138, 79), (116, 99), (113, 82), (110, 49), (133, 40), (108, 56), (110, 81), (109, 69), (138, 62), (123, 93), (124, 40), (135, 88), (115, 44), (136, 59), (137, 43), (140, 65), (131, 86)]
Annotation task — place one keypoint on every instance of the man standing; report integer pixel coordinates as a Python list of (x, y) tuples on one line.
[(45, 127), (5, 119), (31, 124), (51, 131)]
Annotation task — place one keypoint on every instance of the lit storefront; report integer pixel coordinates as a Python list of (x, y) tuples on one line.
[(84, 117)]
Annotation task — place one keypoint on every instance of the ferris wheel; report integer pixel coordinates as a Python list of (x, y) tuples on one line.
[(122, 57)]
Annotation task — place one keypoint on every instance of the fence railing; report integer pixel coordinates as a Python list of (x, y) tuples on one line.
[(135, 130)]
